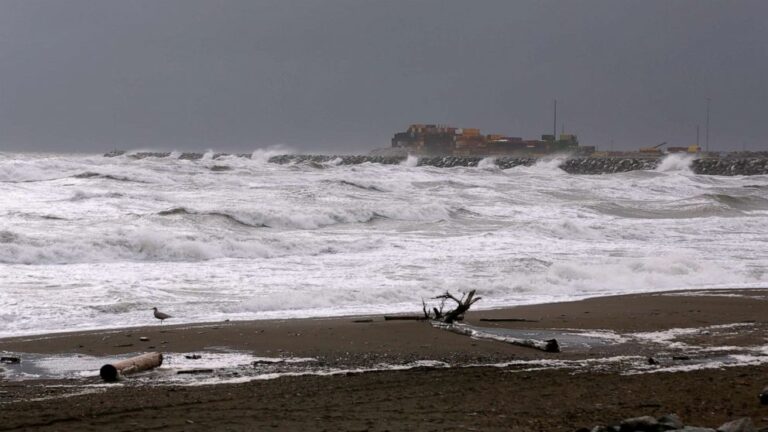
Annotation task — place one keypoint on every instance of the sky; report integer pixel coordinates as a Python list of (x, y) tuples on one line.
[(342, 76)]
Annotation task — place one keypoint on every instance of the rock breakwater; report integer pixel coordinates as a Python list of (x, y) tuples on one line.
[(727, 166)]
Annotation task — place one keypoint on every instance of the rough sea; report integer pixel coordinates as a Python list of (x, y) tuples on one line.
[(92, 242)]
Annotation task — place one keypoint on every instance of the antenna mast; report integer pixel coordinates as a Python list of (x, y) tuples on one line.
[(554, 123)]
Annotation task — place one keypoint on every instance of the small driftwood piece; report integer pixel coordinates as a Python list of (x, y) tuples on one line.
[(114, 371), (457, 314), (404, 318), (507, 320), (197, 371)]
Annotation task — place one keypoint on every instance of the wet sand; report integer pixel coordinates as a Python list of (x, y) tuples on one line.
[(500, 397)]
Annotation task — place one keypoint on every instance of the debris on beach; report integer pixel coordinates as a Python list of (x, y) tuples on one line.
[(114, 371), (507, 320), (197, 371), (405, 318), (462, 305), (443, 319), (548, 345)]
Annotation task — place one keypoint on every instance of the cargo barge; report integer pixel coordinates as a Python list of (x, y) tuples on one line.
[(442, 140)]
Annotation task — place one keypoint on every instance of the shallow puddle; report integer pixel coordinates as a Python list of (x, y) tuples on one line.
[(565, 338), (79, 366)]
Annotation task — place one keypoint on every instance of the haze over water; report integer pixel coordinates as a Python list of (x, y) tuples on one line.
[(94, 242)]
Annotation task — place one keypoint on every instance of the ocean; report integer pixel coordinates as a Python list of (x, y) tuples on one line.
[(90, 242)]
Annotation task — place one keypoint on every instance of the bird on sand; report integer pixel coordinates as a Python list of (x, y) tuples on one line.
[(160, 315)]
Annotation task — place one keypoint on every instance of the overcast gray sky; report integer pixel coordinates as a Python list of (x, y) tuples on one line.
[(336, 75)]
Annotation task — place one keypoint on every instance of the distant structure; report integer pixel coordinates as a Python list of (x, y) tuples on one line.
[(432, 139)]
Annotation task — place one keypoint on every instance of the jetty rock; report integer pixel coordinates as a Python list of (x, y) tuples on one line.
[(726, 166)]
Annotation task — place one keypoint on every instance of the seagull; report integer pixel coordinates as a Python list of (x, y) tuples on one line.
[(160, 315)]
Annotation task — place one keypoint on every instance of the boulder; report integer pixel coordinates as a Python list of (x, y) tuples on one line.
[(605, 429), (670, 422), (639, 424), (743, 424)]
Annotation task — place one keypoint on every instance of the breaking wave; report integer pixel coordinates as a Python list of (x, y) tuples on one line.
[(90, 175), (232, 218), (689, 211), (156, 246), (81, 195), (318, 217), (358, 185), (749, 202), (278, 219)]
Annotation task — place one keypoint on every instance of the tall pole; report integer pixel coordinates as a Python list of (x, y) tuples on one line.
[(697, 136), (554, 124), (706, 140)]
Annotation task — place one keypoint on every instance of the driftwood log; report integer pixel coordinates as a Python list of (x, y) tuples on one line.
[(113, 371), (549, 345)]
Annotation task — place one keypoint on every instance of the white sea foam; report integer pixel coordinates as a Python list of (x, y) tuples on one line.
[(93, 242), (669, 337), (547, 166), (488, 163), (263, 155), (676, 162), (410, 161)]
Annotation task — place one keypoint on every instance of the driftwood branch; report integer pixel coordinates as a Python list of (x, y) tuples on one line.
[(438, 313), (456, 314), (462, 305)]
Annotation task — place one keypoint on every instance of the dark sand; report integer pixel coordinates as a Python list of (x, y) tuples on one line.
[(456, 398)]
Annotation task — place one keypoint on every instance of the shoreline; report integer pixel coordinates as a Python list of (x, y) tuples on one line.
[(714, 307), (709, 349), (491, 311)]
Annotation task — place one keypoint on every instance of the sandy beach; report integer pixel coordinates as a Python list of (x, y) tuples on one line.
[(364, 373), (277, 215)]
